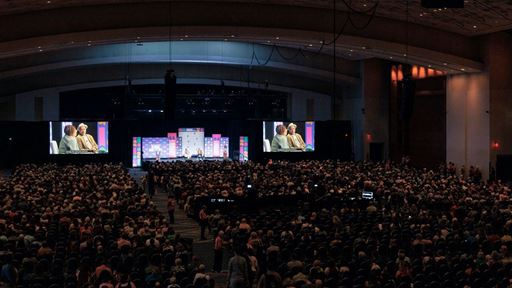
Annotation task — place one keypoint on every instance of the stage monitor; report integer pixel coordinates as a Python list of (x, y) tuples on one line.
[(289, 136), (244, 149), (137, 152), (155, 148), (74, 137)]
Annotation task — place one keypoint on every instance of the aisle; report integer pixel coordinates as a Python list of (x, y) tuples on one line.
[(188, 228)]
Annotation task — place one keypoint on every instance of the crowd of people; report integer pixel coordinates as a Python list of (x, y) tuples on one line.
[(423, 228), (87, 226), (94, 226)]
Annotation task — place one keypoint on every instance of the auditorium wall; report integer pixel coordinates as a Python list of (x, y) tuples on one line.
[(467, 121), (498, 58)]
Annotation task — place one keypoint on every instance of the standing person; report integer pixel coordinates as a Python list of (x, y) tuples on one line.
[(203, 221), (238, 276), (151, 183), (171, 207), (217, 263)]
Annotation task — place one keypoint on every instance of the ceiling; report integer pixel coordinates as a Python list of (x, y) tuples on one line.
[(477, 18)]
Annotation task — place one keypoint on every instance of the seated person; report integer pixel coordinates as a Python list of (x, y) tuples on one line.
[(294, 139), (68, 143), (280, 142), (86, 141)]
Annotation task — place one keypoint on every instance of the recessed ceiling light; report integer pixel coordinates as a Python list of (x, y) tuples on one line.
[(232, 36), (186, 36), (310, 45), (405, 55), (364, 47), (462, 69), (429, 65), (181, 39), (225, 39), (390, 57), (138, 37), (40, 50), (268, 41), (351, 50), (322, 42), (277, 38), (474, 26), (48, 2), (445, 63)]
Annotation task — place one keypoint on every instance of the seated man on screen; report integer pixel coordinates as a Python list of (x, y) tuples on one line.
[(280, 141), (294, 139), (86, 141), (68, 143)]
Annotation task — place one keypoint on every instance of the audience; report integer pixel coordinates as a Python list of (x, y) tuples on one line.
[(304, 224), (85, 226), (424, 228)]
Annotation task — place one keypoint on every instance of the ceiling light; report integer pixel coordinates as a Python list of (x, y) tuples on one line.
[(225, 39), (474, 26), (181, 39), (462, 69), (349, 54), (268, 41), (445, 63), (277, 38), (48, 2), (310, 45), (429, 66), (405, 55), (351, 50), (40, 50), (364, 47), (186, 36), (390, 57), (232, 36)]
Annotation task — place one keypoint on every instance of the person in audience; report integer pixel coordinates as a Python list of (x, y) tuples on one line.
[(294, 139), (238, 271), (68, 143), (86, 141), (280, 142), (218, 249)]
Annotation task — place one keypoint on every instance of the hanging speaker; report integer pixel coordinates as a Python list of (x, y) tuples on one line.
[(407, 98), (442, 3)]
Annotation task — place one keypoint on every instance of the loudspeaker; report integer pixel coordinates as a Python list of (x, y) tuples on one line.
[(169, 94), (504, 167), (407, 98), (442, 3)]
